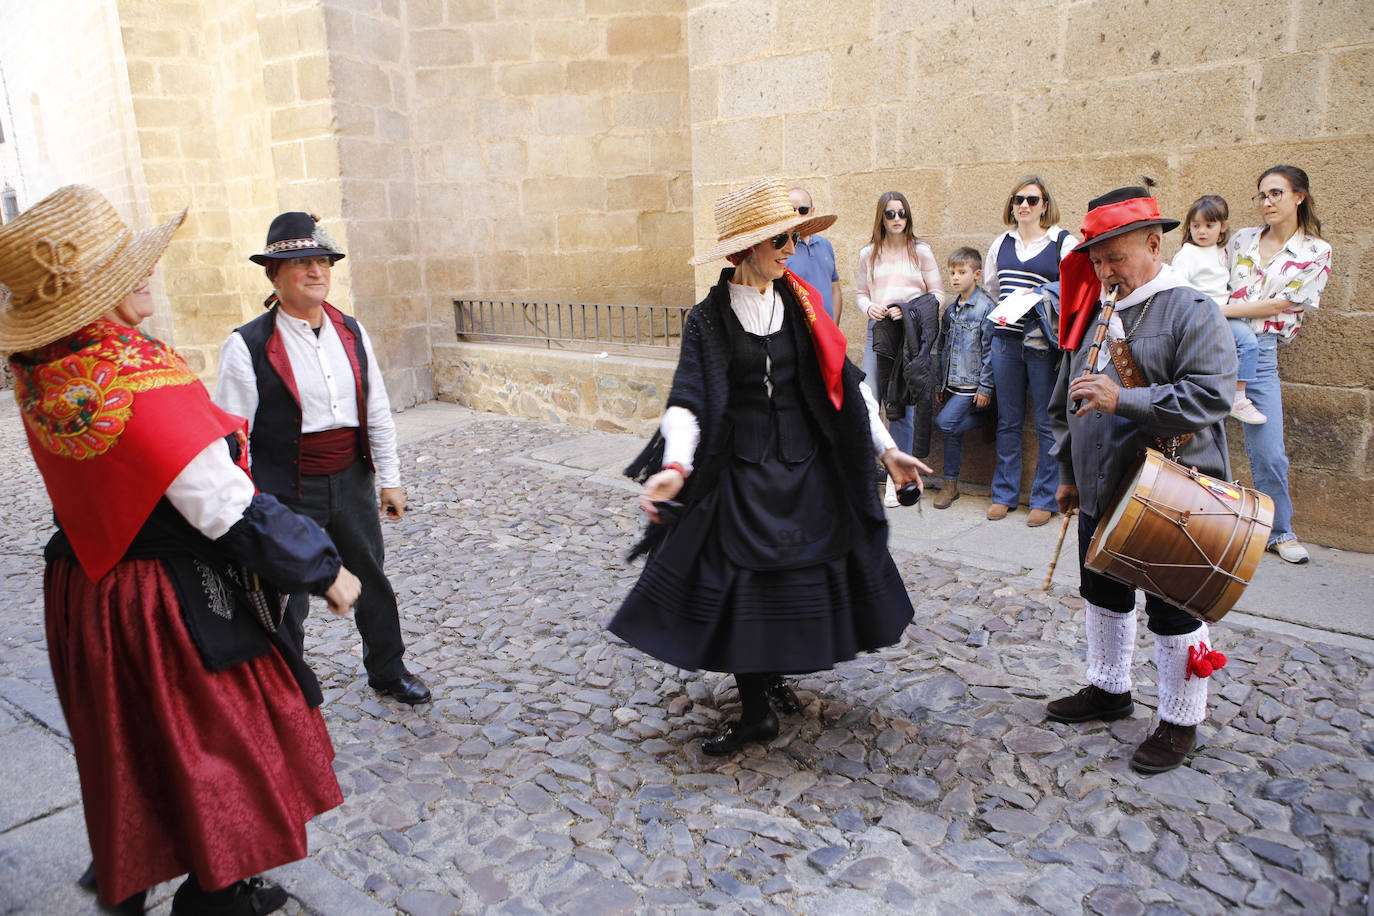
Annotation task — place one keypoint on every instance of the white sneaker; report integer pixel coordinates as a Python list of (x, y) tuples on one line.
[(1245, 411), (890, 495), (1291, 551)]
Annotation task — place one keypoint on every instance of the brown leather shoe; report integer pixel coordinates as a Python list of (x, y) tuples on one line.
[(948, 494), (997, 511), (1165, 748), (1090, 703), (1038, 517)]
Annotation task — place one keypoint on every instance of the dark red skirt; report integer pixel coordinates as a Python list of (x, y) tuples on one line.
[(181, 769)]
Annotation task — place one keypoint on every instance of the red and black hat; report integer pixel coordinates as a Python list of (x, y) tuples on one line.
[(295, 234), (1121, 211), (1114, 213)]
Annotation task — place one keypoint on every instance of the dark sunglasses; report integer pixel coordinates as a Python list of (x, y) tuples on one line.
[(1030, 200), (895, 214), (780, 241), (803, 210)]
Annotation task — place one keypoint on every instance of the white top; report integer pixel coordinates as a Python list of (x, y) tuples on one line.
[(324, 379), (892, 280), (1167, 278), (1204, 269), (761, 314), (211, 492), (1023, 251)]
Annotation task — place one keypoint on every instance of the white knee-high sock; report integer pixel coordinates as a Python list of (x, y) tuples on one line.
[(1111, 645), (1182, 694)]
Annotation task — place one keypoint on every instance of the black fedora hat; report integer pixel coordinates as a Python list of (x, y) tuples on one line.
[(295, 234), (1121, 211)]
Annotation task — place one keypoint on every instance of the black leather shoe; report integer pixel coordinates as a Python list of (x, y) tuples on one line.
[(408, 688), (1090, 703), (250, 897), (781, 696), (736, 735)]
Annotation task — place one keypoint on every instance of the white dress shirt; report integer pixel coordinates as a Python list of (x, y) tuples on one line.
[(760, 314), (324, 380)]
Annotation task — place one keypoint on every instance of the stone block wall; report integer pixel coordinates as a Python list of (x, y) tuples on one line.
[(557, 386), (553, 158), (952, 103)]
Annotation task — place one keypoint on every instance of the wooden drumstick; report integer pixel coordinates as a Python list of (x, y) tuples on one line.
[(1058, 546), (1099, 335)]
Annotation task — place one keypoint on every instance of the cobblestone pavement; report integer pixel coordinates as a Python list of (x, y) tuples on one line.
[(559, 771)]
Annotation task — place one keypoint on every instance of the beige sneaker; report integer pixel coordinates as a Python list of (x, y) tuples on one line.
[(1245, 411), (890, 495)]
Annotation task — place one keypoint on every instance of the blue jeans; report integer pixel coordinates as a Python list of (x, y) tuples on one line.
[(1017, 369), (1264, 441), (902, 430), (956, 418), (1247, 349)]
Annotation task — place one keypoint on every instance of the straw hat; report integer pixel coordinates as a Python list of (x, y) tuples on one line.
[(754, 213), (66, 261)]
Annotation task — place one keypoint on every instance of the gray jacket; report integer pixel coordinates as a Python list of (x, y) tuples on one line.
[(1185, 351)]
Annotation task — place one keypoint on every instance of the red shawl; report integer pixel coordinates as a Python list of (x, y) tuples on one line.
[(829, 339), (112, 416)]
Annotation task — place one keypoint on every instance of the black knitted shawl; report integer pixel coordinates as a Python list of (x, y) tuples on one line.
[(701, 384)]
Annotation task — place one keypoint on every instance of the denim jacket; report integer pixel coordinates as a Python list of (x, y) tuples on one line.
[(966, 345)]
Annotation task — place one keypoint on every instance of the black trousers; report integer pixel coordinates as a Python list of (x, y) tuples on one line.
[(345, 506), (1164, 619)]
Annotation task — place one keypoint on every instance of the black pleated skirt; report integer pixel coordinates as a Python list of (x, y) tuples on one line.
[(771, 571)]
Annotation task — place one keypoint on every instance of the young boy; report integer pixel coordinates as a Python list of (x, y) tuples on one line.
[(965, 364)]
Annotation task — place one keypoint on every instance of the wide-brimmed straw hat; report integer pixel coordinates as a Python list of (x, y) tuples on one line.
[(754, 213), (66, 261), (297, 235), (1121, 211)]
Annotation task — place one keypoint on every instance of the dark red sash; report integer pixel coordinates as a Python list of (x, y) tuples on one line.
[(330, 451)]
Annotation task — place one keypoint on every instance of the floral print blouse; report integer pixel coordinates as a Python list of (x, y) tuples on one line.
[(1297, 272)]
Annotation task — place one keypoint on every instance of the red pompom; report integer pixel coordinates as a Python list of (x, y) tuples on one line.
[(1202, 661)]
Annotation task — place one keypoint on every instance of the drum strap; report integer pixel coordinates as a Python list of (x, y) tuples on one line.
[(1132, 377)]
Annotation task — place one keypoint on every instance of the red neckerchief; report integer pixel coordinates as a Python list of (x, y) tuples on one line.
[(1079, 288), (829, 340), (112, 416)]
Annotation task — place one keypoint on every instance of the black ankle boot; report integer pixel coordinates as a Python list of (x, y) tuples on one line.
[(736, 735)]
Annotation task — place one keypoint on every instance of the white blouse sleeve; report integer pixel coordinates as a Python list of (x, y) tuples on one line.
[(681, 433), (211, 492), (882, 439)]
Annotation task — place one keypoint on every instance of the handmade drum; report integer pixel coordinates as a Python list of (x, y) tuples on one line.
[(1183, 536)]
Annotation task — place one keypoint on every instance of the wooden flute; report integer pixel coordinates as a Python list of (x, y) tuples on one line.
[(1104, 317)]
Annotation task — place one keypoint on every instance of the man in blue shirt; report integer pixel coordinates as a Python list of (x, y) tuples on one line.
[(814, 260)]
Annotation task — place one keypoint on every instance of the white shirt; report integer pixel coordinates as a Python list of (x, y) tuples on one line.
[(1167, 278), (324, 380), (1023, 251), (1204, 269), (761, 314)]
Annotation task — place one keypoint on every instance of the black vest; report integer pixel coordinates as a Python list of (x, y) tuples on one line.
[(275, 443)]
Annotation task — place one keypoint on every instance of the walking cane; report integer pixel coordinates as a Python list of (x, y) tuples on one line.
[(1058, 546)]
